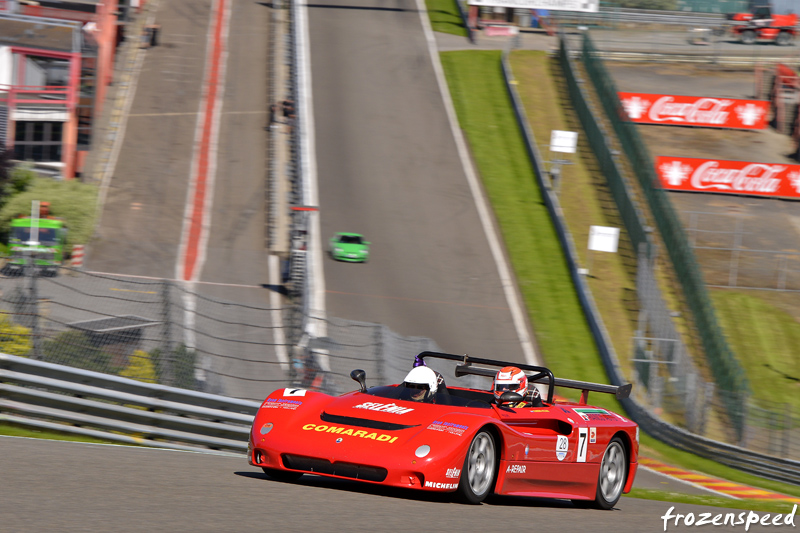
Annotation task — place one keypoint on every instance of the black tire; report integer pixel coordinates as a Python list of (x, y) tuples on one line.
[(480, 469), (282, 475), (613, 475), (748, 37), (784, 38)]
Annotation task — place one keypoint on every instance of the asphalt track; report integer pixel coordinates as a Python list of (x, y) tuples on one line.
[(66, 486), (388, 167)]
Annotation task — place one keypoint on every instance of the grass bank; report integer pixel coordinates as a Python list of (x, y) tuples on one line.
[(485, 114)]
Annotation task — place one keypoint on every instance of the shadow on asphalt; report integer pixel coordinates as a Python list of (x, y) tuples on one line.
[(322, 482)]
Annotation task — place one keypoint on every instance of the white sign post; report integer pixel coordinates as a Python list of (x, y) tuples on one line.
[(565, 142), (601, 239)]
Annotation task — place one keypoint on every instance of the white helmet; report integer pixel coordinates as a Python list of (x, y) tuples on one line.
[(420, 384)]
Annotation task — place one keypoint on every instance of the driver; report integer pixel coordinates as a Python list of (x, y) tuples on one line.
[(512, 379), (419, 385)]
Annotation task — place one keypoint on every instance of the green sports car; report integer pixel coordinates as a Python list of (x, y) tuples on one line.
[(349, 247)]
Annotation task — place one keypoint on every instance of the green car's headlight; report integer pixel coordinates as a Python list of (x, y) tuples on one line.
[(337, 250)]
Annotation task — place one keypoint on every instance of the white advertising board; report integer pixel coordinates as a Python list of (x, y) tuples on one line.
[(603, 239), (563, 141), (588, 6)]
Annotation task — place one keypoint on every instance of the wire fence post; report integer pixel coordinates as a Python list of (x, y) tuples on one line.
[(33, 297), (168, 351)]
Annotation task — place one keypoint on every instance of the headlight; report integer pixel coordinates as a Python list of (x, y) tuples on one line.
[(422, 451), (337, 250), (266, 428)]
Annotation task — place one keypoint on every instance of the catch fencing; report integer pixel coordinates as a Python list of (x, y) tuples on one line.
[(767, 445), (219, 339), (727, 372), (735, 254)]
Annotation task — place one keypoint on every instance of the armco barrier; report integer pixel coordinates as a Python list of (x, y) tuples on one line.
[(48, 396), (784, 470)]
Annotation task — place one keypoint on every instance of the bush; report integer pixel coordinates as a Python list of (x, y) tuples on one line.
[(14, 339), (141, 368), (183, 361), (74, 348)]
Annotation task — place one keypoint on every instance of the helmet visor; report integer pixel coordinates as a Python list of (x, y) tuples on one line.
[(504, 387)]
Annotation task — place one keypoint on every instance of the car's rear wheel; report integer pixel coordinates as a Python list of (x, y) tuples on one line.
[(480, 466), (613, 475), (748, 36), (783, 38), (282, 475)]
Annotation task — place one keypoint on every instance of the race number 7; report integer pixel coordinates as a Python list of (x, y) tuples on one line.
[(583, 437)]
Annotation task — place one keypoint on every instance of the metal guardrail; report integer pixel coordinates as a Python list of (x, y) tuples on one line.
[(784, 470), (609, 16), (71, 400)]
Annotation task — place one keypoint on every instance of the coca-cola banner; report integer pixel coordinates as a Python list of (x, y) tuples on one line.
[(730, 177), (695, 111)]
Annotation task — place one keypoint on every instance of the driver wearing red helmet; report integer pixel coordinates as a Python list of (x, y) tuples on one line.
[(512, 379)]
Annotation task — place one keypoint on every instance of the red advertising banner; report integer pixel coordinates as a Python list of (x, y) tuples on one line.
[(695, 111), (730, 177)]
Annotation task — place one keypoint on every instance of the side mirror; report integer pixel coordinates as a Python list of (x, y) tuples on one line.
[(510, 397), (361, 376)]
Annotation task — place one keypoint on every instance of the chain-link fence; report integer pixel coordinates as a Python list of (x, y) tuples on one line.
[(734, 254), (216, 338)]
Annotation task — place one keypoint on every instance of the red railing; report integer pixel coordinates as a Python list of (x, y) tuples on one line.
[(37, 94)]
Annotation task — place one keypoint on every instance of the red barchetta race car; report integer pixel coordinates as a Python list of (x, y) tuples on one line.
[(458, 439)]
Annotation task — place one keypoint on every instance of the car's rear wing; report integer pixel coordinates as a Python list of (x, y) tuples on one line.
[(541, 375)]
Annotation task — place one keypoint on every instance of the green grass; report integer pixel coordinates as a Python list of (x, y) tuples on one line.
[(445, 18), (71, 200), (14, 430), (765, 341), (485, 114), (760, 506)]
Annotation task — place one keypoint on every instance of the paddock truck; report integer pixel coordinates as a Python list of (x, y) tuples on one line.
[(762, 24), (42, 237)]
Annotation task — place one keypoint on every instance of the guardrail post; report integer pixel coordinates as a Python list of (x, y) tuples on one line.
[(787, 430)]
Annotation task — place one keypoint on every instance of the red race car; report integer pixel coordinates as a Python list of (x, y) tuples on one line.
[(424, 434)]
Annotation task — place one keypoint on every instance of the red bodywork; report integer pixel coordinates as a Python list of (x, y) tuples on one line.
[(375, 439), (768, 28)]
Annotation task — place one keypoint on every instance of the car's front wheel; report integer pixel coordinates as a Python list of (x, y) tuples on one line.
[(480, 465), (282, 475), (748, 37), (613, 475)]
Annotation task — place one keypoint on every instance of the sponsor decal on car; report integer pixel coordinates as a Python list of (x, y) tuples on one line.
[(592, 435), (294, 392), (562, 447), (384, 407), (274, 403), (582, 445), (453, 473), (322, 428), (593, 413), (447, 427), (516, 469), (434, 485)]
